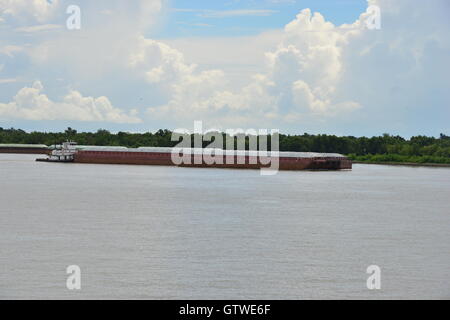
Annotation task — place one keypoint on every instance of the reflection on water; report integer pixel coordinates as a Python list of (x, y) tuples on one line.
[(163, 233)]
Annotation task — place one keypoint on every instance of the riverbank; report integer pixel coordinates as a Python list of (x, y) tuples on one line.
[(409, 164), (402, 160)]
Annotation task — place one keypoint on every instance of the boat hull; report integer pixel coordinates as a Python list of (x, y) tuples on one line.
[(55, 161)]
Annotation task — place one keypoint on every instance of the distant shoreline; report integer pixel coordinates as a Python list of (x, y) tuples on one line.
[(409, 164)]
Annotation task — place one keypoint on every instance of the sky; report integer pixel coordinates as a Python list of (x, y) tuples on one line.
[(316, 66)]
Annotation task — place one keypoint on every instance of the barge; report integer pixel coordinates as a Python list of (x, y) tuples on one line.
[(24, 148), (70, 152)]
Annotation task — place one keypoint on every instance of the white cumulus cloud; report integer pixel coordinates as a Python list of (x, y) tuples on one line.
[(301, 78), (39, 10), (31, 104), (319, 72), (310, 74)]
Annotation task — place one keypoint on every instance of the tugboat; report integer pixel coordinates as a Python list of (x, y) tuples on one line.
[(62, 153)]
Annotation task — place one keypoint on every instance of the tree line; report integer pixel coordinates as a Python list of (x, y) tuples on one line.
[(383, 148)]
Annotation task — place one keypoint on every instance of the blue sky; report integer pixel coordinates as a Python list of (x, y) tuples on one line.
[(237, 18), (298, 66)]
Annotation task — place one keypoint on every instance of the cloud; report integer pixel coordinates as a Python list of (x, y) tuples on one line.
[(38, 10), (10, 50), (31, 104), (282, 1), (300, 79), (311, 73), (159, 62), (39, 28), (101, 46), (228, 13), (236, 13), (201, 25), (7, 80), (321, 74)]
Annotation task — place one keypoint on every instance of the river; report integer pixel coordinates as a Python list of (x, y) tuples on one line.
[(143, 232)]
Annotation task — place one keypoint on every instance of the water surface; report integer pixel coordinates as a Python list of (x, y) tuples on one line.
[(143, 232)]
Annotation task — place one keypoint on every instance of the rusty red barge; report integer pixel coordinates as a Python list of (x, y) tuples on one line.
[(215, 158), (24, 148)]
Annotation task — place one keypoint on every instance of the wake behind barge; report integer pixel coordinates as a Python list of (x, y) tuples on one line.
[(70, 152)]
